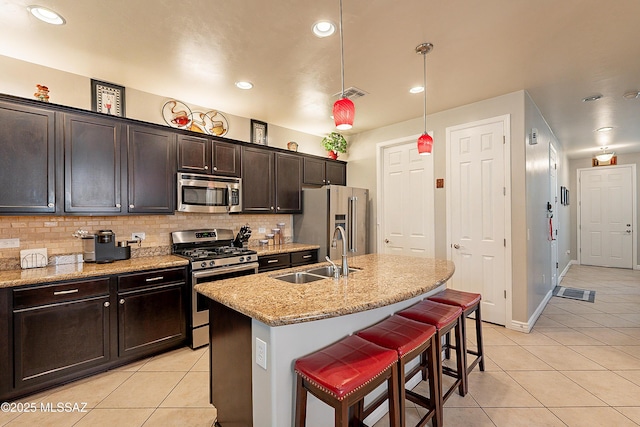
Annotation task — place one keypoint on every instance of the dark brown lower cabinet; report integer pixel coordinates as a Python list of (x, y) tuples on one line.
[(55, 340), (150, 319), (56, 332)]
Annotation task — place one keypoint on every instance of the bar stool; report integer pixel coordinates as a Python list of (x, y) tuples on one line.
[(410, 339), (445, 318), (342, 374), (469, 303)]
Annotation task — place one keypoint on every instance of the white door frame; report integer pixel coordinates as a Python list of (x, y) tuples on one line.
[(380, 147), (555, 256), (634, 237), (506, 121)]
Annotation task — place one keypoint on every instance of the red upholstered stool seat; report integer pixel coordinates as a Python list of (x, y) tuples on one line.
[(410, 339), (342, 374), (469, 303), (445, 318)]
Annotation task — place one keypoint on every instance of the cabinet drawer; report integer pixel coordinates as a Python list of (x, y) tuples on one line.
[(50, 294), (273, 262), (150, 278), (304, 257)]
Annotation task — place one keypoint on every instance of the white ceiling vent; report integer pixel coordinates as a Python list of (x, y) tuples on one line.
[(351, 93)]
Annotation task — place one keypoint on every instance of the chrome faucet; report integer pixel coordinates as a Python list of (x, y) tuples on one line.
[(336, 269), (334, 243)]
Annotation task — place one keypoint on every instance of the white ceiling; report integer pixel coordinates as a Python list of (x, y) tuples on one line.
[(194, 51)]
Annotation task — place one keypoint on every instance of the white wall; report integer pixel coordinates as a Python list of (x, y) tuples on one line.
[(19, 78), (362, 173)]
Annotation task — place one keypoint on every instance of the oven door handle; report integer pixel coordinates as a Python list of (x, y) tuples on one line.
[(223, 270)]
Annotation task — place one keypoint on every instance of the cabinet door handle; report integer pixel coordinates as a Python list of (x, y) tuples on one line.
[(215, 168), (206, 168), (306, 256), (271, 207), (271, 261), (118, 205), (131, 206), (121, 301), (153, 279), (328, 182), (107, 304), (278, 208), (50, 205), (70, 291)]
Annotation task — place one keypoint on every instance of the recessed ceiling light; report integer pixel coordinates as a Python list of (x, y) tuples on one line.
[(634, 94), (323, 28), (592, 98), (604, 129), (416, 89), (46, 15), (244, 85)]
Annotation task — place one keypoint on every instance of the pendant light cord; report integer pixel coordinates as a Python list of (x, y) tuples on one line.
[(342, 51), (424, 56)]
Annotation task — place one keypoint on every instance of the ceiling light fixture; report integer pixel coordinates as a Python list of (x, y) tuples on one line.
[(416, 89), (343, 109), (244, 85), (604, 156), (592, 98), (323, 28), (425, 142), (604, 129), (46, 15), (633, 94)]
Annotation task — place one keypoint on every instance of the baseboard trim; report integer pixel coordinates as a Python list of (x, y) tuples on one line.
[(566, 270), (528, 326)]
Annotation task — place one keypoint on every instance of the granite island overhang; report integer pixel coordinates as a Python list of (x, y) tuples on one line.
[(296, 319)]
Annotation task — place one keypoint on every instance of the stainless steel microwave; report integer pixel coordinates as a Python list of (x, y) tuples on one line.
[(208, 193)]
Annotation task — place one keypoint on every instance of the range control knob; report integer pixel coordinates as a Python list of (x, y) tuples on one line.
[(203, 264), (241, 259), (249, 258), (212, 263)]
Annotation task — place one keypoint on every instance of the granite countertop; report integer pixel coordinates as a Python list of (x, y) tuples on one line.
[(283, 249), (56, 273), (382, 280)]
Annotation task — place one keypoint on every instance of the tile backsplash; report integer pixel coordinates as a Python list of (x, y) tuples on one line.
[(55, 232)]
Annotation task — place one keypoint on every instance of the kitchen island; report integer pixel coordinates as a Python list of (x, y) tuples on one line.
[(296, 319)]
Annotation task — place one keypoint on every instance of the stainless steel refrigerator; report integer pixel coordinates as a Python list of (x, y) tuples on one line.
[(327, 207)]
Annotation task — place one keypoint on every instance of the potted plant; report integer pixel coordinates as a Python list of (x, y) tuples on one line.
[(334, 143)]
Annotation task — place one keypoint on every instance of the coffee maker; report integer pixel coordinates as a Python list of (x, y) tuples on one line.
[(101, 248)]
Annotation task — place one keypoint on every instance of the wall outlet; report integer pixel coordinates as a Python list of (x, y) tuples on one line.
[(262, 230), (261, 353), (138, 235), (9, 243)]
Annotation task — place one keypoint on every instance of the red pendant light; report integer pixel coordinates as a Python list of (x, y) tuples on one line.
[(343, 109), (425, 142), (343, 112)]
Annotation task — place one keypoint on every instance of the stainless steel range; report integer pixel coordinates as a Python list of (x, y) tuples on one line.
[(213, 257)]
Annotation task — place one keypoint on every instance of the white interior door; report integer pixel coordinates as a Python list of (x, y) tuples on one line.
[(406, 203), (553, 221), (477, 213), (606, 216)]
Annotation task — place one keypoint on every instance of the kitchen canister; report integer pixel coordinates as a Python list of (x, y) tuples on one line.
[(281, 226), (276, 236)]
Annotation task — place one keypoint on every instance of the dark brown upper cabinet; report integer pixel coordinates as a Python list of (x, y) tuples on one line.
[(271, 181), (93, 158), (324, 172), (151, 170), (27, 159), (203, 155)]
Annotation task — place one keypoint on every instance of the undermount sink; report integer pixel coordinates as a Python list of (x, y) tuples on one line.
[(327, 271), (301, 277)]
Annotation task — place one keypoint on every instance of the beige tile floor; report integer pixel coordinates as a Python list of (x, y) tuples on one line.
[(580, 366)]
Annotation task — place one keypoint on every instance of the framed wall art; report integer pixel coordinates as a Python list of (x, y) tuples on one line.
[(107, 98), (258, 132)]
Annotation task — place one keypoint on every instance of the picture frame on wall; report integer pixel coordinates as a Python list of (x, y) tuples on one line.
[(107, 98), (258, 132)]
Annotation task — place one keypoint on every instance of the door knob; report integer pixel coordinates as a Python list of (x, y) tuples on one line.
[(456, 246), (386, 240)]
